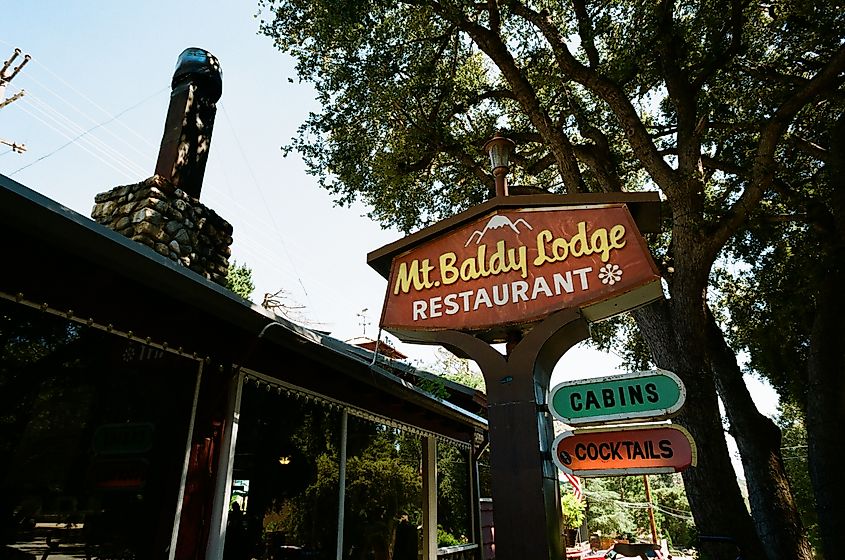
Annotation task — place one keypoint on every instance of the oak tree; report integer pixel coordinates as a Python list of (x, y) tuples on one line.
[(699, 99)]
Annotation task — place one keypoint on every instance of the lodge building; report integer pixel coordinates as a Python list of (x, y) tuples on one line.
[(140, 400)]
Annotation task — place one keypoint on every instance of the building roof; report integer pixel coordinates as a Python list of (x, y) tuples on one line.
[(68, 262)]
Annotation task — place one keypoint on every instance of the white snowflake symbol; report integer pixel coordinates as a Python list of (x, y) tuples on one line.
[(610, 274)]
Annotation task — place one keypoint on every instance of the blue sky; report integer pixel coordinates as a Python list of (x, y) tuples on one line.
[(97, 91)]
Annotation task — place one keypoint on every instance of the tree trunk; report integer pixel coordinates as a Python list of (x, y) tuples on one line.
[(826, 378), (674, 331), (826, 413), (772, 504)]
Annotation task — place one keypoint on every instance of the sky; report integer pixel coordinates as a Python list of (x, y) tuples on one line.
[(92, 117)]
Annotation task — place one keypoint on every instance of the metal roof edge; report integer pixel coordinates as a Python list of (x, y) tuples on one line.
[(347, 350)]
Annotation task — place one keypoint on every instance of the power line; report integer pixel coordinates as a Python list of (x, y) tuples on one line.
[(103, 160), (69, 129), (77, 131), (88, 99), (87, 117), (263, 198), (83, 134), (666, 510)]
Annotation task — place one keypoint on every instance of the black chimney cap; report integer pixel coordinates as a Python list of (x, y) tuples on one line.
[(199, 65)]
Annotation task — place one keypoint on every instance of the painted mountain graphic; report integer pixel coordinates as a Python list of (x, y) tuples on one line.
[(497, 222)]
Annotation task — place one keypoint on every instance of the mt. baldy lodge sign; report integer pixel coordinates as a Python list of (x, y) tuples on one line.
[(517, 266)]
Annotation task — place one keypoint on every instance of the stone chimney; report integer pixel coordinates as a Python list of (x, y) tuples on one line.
[(164, 211), (171, 222)]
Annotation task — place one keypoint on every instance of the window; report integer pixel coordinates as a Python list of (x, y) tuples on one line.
[(93, 430)]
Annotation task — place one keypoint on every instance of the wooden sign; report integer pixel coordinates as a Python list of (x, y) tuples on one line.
[(654, 395), (624, 450), (517, 266)]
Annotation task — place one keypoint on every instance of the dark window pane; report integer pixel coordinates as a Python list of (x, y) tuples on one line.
[(93, 430)]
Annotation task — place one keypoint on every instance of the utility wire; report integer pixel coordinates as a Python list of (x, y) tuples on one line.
[(112, 158), (95, 127), (88, 99), (100, 158), (264, 199), (75, 130), (103, 145)]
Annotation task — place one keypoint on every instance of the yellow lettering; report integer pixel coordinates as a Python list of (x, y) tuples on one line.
[(598, 242), (617, 232), (426, 271), (449, 273), (469, 271), (482, 252), (542, 238), (497, 259), (519, 263), (560, 248), (578, 244), (407, 275), (552, 249)]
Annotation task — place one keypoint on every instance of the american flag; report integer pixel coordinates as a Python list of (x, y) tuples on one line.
[(576, 485)]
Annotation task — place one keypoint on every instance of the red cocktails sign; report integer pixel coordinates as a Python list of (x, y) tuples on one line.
[(623, 450), (517, 266)]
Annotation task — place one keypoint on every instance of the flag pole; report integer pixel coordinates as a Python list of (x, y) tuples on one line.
[(650, 509)]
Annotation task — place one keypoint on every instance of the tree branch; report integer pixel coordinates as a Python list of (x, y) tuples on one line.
[(495, 17), (811, 149), (763, 166), (495, 48), (609, 92), (720, 57), (470, 163), (585, 31), (682, 95), (725, 166)]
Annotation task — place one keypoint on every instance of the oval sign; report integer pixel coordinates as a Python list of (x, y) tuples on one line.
[(654, 395), (624, 450)]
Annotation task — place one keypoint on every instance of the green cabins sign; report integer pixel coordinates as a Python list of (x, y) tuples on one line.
[(652, 395)]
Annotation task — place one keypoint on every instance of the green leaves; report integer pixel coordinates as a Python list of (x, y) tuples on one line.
[(239, 280)]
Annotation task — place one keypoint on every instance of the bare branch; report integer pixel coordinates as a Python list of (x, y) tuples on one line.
[(811, 149)]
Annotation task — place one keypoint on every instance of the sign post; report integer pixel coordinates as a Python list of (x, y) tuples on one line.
[(531, 272)]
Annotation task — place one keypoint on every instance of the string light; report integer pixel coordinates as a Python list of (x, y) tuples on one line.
[(306, 396), (44, 307)]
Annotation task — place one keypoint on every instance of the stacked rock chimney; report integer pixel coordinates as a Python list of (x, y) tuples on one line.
[(164, 211)]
